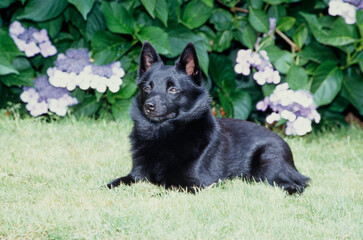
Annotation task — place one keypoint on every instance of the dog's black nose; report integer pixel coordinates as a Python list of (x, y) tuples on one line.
[(149, 106)]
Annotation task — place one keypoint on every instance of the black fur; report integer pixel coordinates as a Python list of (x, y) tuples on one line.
[(177, 142)]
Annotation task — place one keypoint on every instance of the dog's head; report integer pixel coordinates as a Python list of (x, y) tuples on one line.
[(169, 92)]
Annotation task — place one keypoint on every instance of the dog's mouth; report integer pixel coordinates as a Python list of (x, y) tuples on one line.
[(159, 117)]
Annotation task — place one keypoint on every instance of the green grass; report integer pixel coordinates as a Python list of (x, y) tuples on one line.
[(50, 175)]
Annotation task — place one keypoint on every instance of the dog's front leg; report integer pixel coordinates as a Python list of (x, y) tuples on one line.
[(127, 180)]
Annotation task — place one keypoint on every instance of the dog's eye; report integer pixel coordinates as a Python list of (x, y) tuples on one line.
[(173, 90), (147, 89)]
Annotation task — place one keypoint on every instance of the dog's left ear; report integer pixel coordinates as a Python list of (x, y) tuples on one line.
[(148, 57), (188, 62)]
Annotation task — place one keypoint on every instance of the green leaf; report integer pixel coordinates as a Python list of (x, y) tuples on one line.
[(339, 104), (326, 83), (118, 19), (88, 107), (318, 53), (285, 23), (128, 89), (53, 26), (95, 22), (203, 58), (25, 76), (300, 36), (196, 13), (297, 78), (222, 72), (276, 11), (161, 11), (222, 19), (6, 67), (281, 59), (360, 61), (226, 103), (179, 37), (8, 49), (359, 17), (223, 41), (83, 6), (249, 37), (268, 89), (259, 20), (108, 47), (242, 104), (149, 6), (353, 89), (40, 10), (120, 109), (341, 33), (157, 37), (209, 3), (6, 3), (256, 4), (274, 2)]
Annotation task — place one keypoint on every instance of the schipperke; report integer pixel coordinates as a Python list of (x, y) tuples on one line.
[(177, 142)]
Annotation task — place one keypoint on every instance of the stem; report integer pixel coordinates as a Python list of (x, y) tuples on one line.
[(262, 44), (287, 39), (238, 9), (233, 9)]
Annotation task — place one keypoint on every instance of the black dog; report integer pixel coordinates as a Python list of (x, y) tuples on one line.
[(177, 142)]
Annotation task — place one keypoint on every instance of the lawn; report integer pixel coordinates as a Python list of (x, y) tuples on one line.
[(51, 173)]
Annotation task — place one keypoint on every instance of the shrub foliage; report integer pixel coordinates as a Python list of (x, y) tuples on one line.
[(309, 48)]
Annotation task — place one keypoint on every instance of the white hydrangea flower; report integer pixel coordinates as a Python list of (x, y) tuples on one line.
[(57, 106), (29, 95), (273, 117), (343, 9), (260, 61)]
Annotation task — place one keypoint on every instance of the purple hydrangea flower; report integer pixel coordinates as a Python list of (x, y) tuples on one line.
[(357, 3), (272, 26), (74, 68), (43, 97), (31, 41), (260, 61), (297, 107)]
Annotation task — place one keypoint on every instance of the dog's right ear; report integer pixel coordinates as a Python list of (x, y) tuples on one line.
[(148, 57)]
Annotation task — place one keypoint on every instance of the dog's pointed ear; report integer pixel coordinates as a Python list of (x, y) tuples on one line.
[(148, 57), (188, 62)]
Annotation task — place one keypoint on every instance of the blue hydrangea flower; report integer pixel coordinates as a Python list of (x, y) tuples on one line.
[(44, 97), (31, 41)]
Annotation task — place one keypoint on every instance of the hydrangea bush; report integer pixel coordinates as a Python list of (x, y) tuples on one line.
[(288, 62)]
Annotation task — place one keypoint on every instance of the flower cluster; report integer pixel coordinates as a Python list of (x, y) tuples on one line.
[(43, 97), (260, 61), (74, 68), (346, 9), (297, 107), (31, 41)]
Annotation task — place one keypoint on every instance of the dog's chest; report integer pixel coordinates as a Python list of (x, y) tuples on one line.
[(168, 163)]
